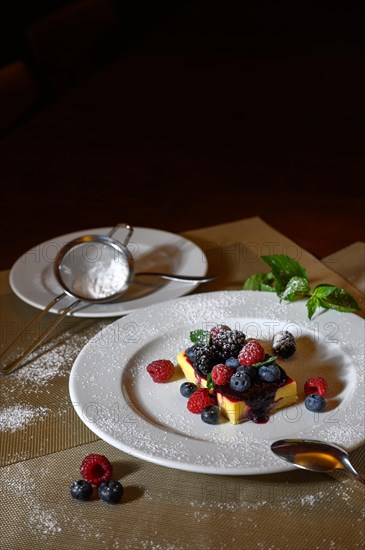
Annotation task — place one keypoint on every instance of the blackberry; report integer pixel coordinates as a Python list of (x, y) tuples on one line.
[(229, 342), (205, 357), (218, 329), (283, 344)]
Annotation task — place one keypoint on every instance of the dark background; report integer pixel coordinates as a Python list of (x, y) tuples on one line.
[(192, 114)]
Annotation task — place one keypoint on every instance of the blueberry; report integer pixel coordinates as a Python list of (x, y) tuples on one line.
[(232, 362), (240, 381), (211, 414), (190, 353), (252, 372), (111, 491), (315, 402), (269, 373), (81, 490), (187, 389)]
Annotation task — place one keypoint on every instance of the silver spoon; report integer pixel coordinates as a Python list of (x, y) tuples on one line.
[(316, 456)]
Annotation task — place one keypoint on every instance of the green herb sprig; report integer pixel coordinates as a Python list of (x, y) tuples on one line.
[(289, 280)]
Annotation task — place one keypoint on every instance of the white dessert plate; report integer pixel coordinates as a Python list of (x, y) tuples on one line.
[(33, 281), (116, 398)]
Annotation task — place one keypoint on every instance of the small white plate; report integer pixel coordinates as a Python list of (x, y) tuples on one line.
[(116, 398), (33, 281)]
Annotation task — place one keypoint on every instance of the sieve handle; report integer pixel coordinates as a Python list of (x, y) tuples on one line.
[(120, 226), (14, 364)]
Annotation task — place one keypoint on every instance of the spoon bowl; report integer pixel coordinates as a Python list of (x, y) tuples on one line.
[(316, 456)]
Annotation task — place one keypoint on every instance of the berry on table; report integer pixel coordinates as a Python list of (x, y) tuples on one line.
[(211, 414), (283, 344), (251, 353), (111, 491), (161, 370), (96, 469), (221, 374), (187, 389), (81, 490), (316, 384), (199, 400), (315, 402)]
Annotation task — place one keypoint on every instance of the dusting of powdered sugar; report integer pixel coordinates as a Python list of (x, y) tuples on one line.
[(102, 280), (47, 362), (16, 417)]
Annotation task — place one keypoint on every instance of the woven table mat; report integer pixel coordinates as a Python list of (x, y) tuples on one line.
[(43, 443)]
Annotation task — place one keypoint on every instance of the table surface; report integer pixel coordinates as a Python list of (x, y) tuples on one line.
[(201, 123), (43, 442), (212, 118)]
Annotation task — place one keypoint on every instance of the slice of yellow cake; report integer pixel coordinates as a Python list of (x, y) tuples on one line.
[(260, 400)]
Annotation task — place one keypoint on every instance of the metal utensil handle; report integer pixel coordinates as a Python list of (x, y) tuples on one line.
[(182, 278), (12, 344), (348, 468), (12, 366), (120, 226)]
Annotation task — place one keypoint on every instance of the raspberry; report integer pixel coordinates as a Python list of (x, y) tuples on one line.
[(316, 384), (221, 374), (96, 469), (161, 370), (251, 353), (199, 400)]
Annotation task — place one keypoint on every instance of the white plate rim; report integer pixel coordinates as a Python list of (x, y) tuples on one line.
[(192, 261), (84, 378)]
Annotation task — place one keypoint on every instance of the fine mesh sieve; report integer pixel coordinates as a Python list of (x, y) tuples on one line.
[(92, 268)]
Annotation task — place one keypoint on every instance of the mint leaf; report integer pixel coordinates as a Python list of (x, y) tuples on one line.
[(340, 300), (260, 281), (290, 282), (322, 291), (296, 288), (271, 359), (283, 269), (200, 336), (312, 305), (210, 383)]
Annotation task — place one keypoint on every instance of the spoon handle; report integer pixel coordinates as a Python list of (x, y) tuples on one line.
[(182, 278), (360, 478), (348, 467)]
